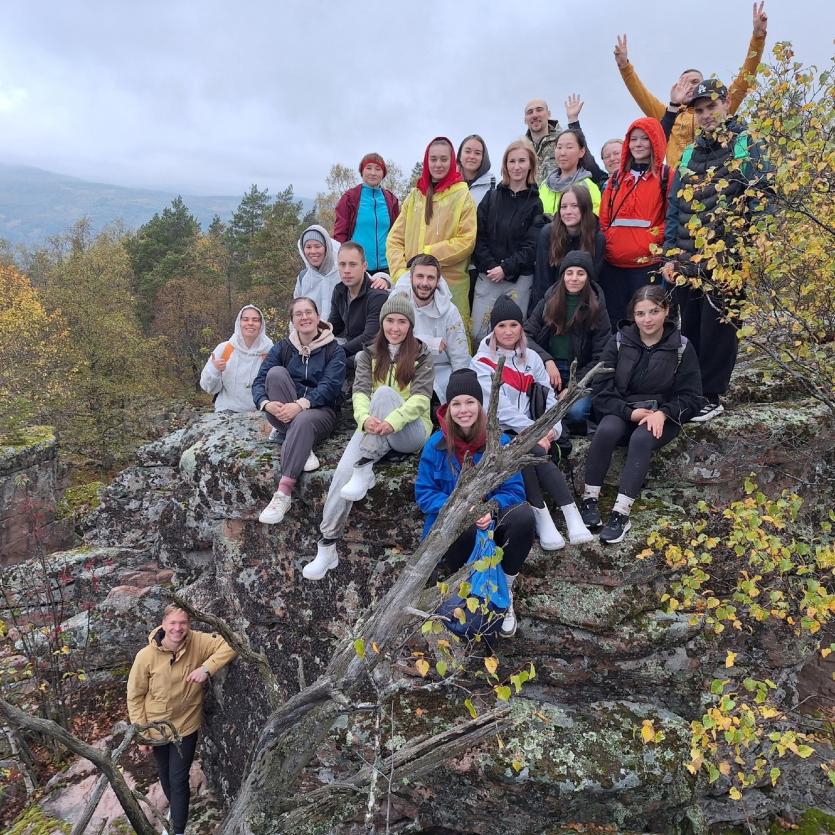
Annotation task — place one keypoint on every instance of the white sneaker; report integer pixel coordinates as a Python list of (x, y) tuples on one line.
[(361, 481), (707, 412), (550, 539), (326, 559), (274, 512), (312, 463), (508, 627)]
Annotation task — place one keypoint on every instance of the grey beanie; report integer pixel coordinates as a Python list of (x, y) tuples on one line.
[(399, 303), (313, 235)]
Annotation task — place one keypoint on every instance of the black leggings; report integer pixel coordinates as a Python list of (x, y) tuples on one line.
[(514, 533), (613, 431), (547, 475), (173, 776)]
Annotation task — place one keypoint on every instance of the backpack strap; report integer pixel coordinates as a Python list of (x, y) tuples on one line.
[(679, 351)]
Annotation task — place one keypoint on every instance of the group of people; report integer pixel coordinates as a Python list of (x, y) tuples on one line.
[(409, 308)]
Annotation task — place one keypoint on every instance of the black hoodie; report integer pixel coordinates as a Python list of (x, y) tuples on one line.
[(649, 373)]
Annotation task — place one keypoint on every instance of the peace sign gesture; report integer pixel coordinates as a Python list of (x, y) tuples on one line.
[(760, 20), (621, 54)]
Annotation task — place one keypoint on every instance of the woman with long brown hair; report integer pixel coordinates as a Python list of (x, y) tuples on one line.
[(573, 228), (463, 432), (571, 323), (391, 395), (437, 218)]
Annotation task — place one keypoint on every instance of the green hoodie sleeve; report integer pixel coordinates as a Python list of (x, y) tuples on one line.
[(361, 393), (417, 404)]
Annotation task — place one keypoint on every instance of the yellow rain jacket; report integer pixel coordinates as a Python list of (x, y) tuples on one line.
[(450, 237)]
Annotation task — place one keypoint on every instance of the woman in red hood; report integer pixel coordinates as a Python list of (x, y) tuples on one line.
[(437, 218), (632, 212)]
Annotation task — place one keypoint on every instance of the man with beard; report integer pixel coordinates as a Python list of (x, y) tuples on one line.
[(437, 320)]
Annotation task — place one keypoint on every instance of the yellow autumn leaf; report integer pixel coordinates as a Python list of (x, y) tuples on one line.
[(735, 793), (729, 659), (422, 666), (491, 664)]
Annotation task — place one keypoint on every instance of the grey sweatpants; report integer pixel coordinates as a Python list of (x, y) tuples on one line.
[(410, 438), (308, 428), (485, 295)]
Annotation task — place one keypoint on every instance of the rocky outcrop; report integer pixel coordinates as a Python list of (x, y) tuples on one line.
[(30, 483), (607, 658)]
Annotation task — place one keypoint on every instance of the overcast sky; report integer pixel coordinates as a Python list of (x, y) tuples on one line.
[(208, 97)]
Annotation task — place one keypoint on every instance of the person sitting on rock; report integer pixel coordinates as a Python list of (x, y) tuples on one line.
[(463, 430), (522, 370), (356, 302), (299, 389), (438, 323), (320, 275), (391, 396), (655, 390), (571, 323), (234, 364), (365, 214), (166, 682)]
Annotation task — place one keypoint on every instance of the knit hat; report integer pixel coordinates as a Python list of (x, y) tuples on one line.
[(464, 381), (376, 159), (505, 309), (398, 303), (578, 258), (313, 235)]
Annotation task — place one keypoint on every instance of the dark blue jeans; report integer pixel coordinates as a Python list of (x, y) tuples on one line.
[(580, 409), (173, 777)]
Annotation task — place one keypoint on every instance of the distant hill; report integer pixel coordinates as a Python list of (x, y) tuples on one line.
[(35, 204)]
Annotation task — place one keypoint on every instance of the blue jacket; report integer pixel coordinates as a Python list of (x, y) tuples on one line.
[(438, 474), (318, 370)]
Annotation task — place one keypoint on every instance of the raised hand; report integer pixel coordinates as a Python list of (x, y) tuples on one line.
[(679, 93), (573, 106), (621, 53), (760, 20), (219, 364)]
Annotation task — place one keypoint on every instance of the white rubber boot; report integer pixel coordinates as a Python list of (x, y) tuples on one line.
[(578, 533), (550, 539), (361, 481), (326, 559)]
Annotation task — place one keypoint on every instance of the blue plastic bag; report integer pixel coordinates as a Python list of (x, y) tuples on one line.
[(487, 583)]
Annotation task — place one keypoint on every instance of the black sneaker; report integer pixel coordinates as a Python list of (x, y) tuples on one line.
[(708, 412), (616, 528), (590, 513)]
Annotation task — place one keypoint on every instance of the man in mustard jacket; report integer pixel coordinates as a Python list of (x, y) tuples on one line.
[(166, 682), (684, 128)]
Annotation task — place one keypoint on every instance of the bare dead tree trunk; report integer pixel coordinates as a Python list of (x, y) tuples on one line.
[(100, 759), (294, 731), (20, 751)]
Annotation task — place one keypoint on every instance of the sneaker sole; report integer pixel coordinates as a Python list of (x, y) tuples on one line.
[(708, 415), (508, 634), (581, 540), (620, 538)]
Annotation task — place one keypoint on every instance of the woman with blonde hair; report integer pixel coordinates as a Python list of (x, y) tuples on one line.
[(509, 220), (437, 218)]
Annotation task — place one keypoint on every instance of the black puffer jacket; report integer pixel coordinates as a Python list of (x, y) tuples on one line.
[(655, 373), (508, 229), (587, 343)]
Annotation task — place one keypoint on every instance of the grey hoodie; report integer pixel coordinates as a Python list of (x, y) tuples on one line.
[(318, 284), (436, 321), (233, 386)]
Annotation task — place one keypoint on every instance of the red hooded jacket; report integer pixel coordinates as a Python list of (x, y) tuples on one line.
[(632, 211)]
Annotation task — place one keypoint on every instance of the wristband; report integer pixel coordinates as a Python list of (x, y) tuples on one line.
[(675, 104)]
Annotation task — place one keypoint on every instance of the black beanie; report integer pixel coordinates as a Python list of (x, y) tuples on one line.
[(505, 309), (578, 258), (464, 381)]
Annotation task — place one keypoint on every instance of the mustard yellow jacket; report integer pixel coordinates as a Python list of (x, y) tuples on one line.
[(684, 128), (450, 236), (157, 686)]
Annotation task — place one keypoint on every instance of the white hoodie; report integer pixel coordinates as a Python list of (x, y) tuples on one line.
[(480, 188), (233, 386), (514, 409), (436, 321), (318, 284)]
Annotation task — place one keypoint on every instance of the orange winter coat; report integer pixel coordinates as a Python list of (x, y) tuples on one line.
[(632, 210)]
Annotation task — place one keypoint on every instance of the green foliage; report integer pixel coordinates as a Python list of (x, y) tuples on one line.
[(756, 563), (33, 821), (249, 219)]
